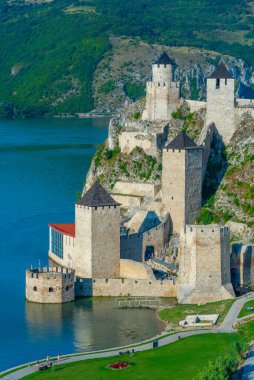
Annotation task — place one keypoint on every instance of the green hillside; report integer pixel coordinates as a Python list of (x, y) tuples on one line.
[(50, 50)]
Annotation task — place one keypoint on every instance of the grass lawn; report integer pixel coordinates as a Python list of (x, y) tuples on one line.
[(245, 312), (178, 313), (181, 360)]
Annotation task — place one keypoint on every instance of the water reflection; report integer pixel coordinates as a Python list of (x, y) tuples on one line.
[(90, 325)]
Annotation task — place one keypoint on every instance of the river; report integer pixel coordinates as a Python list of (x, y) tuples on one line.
[(43, 164)]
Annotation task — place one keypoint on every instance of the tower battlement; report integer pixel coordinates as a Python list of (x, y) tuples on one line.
[(159, 85), (221, 102), (50, 285), (162, 93), (210, 229), (204, 264), (182, 180)]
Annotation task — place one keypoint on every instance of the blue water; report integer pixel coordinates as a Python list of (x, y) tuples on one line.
[(43, 164)]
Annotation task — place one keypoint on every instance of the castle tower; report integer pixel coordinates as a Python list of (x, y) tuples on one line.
[(221, 102), (204, 265), (50, 285), (182, 180), (97, 235), (162, 93)]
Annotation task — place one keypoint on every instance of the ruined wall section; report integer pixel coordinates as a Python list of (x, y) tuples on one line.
[(195, 105), (133, 246), (136, 188)]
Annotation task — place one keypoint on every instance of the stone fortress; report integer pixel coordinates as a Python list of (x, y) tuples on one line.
[(115, 257)]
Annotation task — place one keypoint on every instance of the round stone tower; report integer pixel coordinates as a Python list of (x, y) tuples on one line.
[(162, 93), (50, 285), (163, 69)]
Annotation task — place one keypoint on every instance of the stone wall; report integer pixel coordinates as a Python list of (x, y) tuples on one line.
[(195, 105), (149, 142), (125, 287), (133, 246), (244, 102), (49, 285), (161, 100), (241, 110), (182, 185), (134, 270), (221, 107), (130, 140), (128, 200), (136, 188), (204, 262)]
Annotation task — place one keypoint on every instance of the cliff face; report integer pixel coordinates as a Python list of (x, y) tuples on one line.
[(228, 189), (124, 70)]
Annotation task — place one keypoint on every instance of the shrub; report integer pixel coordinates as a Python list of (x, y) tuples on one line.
[(221, 369), (107, 87), (205, 217), (236, 202), (136, 115), (178, 114), (226, 216), (133, 90)]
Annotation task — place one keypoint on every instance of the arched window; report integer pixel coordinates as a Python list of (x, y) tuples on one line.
[(35, 288), (51, 290), (67, 287)]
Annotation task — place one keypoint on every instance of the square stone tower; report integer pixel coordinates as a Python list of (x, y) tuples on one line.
[(162, 93), (97, 237), (221, 102), (204, 264), (182, 180)]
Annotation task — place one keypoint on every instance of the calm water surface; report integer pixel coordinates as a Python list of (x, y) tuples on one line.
[(43, 164)]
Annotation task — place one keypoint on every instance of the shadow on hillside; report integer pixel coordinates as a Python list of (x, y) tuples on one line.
[(216, 168)]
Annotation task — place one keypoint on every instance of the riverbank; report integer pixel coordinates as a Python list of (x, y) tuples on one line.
[(223, 329)]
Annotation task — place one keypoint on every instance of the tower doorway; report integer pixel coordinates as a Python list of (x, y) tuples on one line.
[(149, 252)]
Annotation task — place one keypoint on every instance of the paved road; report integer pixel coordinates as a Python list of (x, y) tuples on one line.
[(226, 327)]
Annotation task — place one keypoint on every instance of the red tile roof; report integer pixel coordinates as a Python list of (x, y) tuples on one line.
[(64, 229)]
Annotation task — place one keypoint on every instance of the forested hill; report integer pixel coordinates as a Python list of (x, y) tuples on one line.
[(49, 50)]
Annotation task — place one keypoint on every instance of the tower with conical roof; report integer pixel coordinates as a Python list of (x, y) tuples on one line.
[(221, 102), (97, 235), (162, 93), (182, 180)]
